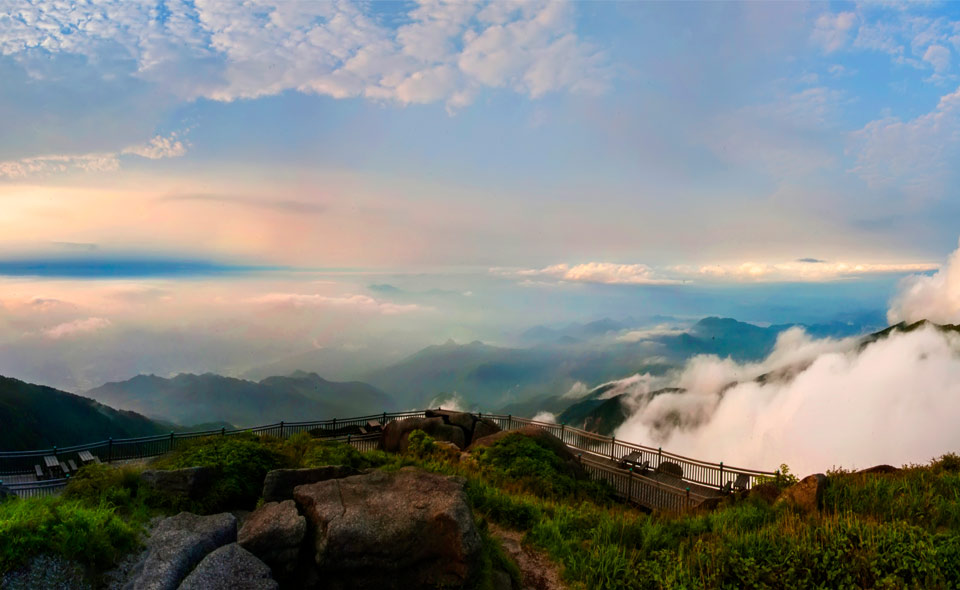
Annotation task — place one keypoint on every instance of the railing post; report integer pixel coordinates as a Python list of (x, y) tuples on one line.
[(509, 421), (383, 422), (110, 450), (630, 486), (223, 431), (334, 427), (721, 475), (659, 456), (613, 446), (281, 429), (563, 432), (171, 440)]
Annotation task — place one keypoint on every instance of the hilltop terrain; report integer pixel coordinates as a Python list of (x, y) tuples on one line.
[(189, 398)]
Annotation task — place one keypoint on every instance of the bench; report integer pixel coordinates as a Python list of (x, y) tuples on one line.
[(742, 483), (374, 425), (39, 471), (65, 468), (73, 466), (630, 460), (86, 457)]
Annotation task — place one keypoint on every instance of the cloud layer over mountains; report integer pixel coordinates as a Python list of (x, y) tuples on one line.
[(815, 404)]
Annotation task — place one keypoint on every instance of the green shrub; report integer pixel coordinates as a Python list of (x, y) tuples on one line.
[(241, 463), (331, 452), (95, 536), (97, 484), (421, 444)]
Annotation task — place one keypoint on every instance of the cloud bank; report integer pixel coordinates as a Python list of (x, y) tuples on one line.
[(935, 298), (820, 403)]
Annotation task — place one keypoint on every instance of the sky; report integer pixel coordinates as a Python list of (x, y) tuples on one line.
[(212, 185)]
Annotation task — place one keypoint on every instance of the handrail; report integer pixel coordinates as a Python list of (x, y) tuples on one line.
[(598, 452)]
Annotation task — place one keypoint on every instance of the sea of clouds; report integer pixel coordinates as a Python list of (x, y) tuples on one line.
[(819, 403)]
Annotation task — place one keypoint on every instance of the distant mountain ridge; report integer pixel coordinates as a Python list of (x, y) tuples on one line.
[(189, 398), (40, 417)]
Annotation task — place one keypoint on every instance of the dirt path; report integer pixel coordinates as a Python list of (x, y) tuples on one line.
[(539, 571)]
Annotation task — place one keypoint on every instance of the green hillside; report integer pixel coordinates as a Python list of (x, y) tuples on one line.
[(38, 417)]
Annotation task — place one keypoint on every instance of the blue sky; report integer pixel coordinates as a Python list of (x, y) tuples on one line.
[(766, 160)]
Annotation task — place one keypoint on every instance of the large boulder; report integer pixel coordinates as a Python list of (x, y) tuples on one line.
[(807, 494), (190, 483), (484, 427), (230, 567), (279, 483), (397, 433), (274, 533), (177, 545), (391, 530)]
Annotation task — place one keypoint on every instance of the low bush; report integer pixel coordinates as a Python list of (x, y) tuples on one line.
[(241, 463)]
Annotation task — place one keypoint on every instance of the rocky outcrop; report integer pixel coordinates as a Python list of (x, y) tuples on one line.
[(807, 494), (879, 470), (230, 567), (459, 428), (397, 433), (274, 533), (391, 530), (279, 483), (177, 545), (188, 484)]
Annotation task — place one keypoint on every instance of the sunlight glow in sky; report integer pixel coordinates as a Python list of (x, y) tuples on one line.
[(541, 159)]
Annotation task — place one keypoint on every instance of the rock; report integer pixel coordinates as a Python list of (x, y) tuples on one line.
[(670, 468), (391, 530), (274, 533), (484, 427), (46, 571), (279, 483), (462, 420), (396, 433), (768, 492), (880, 469), (230, 567), (545, 438), (177, 545), (807, 494), (500, 580), (190, 483)]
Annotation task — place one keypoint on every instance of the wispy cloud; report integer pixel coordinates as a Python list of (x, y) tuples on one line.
[(284, 205), (76, 327), (156, 148), (356, 302), (609, 273), (802, 270)]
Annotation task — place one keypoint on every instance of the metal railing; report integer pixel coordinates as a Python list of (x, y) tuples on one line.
[(599, 456), (695, 471)]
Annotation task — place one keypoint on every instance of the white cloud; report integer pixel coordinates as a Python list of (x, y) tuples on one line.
[(917, 155), (235, 49), (76, 327), (158, 147), (894, 401), (832, 30), (595, 272), (356, 302), (938, 56), (935, 298), (813, 271)]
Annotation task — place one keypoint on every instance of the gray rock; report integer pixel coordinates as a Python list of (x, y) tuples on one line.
[(50, 572), (274, 533), (230, 567), (484, 427), (177, 545), (397, 433), (189, 483), (391, 530), (279, 483)]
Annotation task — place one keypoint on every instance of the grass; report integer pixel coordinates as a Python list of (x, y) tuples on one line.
[(897, 530)]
